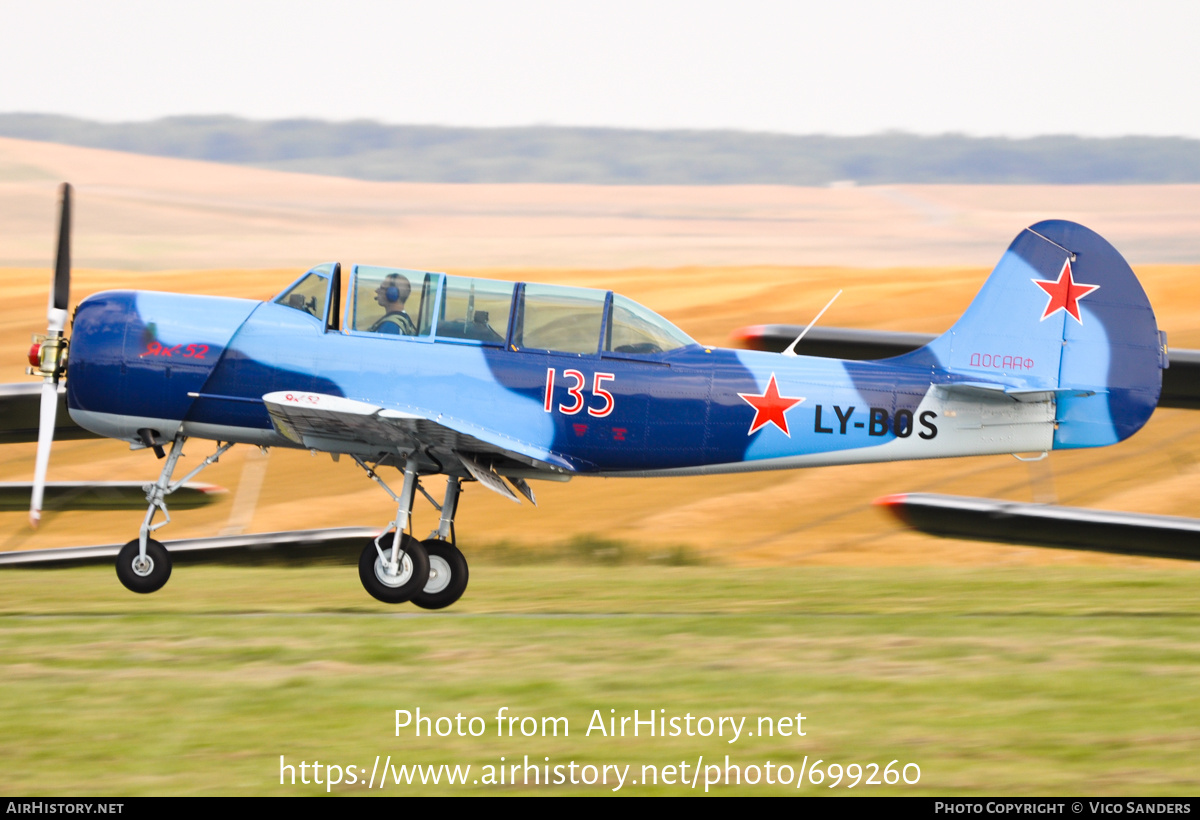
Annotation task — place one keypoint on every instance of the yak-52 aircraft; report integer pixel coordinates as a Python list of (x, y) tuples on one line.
[(503, 382)]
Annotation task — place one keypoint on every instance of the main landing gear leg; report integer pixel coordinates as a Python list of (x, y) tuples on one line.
[(393, 575), (144, 565), (447, 566)]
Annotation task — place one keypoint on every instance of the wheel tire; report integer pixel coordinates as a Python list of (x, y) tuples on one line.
[(147, 579), (414, 571), (448, 576)]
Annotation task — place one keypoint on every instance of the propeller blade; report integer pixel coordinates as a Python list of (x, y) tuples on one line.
[(60, 292), (56, 318), (49, 411)]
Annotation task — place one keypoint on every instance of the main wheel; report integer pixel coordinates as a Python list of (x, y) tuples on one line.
[(398, 587), (144, 576), (447, 575)]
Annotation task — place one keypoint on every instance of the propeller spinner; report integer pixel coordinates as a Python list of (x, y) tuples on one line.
[(48, 356)]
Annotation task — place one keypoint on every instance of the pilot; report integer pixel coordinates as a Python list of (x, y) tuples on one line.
[(392, 293)]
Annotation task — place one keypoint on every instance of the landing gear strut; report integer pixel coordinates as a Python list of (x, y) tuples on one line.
[(394, 575), (448, 572), (431, 573), (144, 565)]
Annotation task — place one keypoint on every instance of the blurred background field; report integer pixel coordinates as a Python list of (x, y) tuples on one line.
[(997, 669), (710, 258)]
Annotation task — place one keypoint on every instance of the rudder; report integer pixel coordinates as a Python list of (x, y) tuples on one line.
[(1062, 311)]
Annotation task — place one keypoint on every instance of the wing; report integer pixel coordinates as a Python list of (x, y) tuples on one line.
[(19, 408), (1041, 525), (294, 548), (102, 495), (439, 442)]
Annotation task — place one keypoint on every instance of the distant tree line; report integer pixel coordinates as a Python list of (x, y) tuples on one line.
[(425, 153)]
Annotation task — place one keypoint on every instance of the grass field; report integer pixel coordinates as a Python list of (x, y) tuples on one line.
[(1020, 681)]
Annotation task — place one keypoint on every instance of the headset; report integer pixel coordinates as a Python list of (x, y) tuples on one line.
[(393, 291)]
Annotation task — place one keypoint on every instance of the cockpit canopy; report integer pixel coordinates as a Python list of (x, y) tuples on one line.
[(526, 316)]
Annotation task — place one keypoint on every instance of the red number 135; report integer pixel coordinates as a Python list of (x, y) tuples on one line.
[(575, 392)]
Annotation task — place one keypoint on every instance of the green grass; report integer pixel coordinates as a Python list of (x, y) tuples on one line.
[(1011, 682)]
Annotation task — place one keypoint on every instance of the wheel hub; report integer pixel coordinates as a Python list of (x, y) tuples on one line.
[(383, 571), (142, 567), (439, 575)]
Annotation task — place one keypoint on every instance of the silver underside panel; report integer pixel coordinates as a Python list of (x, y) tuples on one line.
[(125, 428)]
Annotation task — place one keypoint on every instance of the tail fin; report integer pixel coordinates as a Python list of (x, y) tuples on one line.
[(1062, 312)]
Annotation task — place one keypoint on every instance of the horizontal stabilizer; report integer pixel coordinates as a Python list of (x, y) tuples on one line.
[(992, 390), (1180, 387)]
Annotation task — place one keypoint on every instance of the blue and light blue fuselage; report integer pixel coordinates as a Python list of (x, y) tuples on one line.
[(1012, 376)]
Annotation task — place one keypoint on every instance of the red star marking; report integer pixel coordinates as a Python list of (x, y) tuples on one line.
[(770, 407), (1064, 293)]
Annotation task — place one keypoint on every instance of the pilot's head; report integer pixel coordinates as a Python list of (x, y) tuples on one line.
[(393, 292)]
